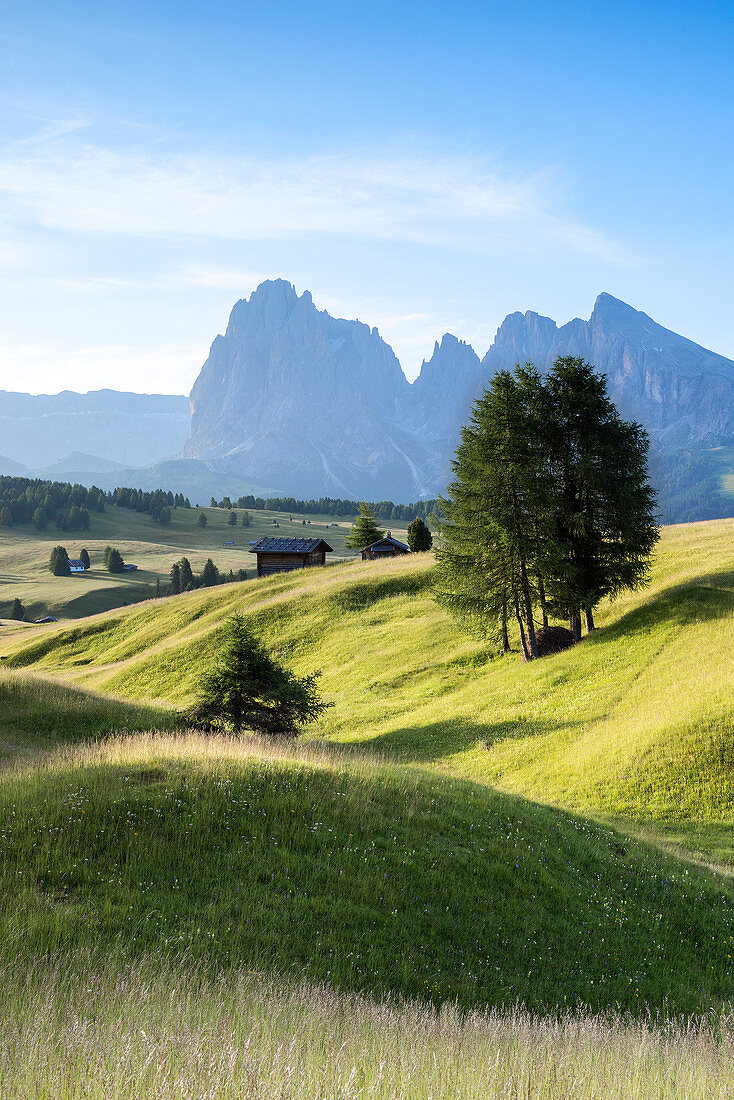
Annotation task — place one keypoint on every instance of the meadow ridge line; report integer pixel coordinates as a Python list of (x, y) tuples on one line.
[(323, 584)]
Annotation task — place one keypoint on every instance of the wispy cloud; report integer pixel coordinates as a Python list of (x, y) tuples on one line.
[(63, 183), (213, 278)]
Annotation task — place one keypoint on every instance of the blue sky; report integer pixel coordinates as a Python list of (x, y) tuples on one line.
[(426, 167)]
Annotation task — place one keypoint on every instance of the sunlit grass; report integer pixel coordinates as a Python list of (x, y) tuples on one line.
[(192, 916), (24, 555), (636, 722)]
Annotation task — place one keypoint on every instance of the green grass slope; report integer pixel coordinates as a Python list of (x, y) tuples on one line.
[(324, 865), (636, 722)]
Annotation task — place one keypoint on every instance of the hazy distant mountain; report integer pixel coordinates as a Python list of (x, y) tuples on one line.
[(293, 401), (129, 429), (11, 468), (681, 392), (196, 480), (440, 398), (77, 462), (292, 397)]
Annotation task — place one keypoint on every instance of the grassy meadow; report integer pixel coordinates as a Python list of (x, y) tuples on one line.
[(635, 723), (24, 555), (472, 878)]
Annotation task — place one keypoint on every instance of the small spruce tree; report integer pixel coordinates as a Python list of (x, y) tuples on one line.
[(18, 611), (210, 574), (84, 558), (115, 563), (186, 574), (248, 689), (59, 562), (364, 529), (232, 521), (175, 579), (202, 521)]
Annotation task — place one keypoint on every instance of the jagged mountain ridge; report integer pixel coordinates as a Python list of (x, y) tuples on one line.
[(294, 401), (293, 397), (680, 391)]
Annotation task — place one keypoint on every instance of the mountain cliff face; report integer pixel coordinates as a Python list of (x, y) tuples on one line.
[(293, 398), (290, 396), (130, 429)]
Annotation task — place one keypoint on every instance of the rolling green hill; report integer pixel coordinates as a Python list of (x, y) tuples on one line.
[(330, 866), (635, 723), (459, 828)]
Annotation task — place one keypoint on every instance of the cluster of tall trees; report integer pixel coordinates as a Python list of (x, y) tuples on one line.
[(156, 503), (183, 578), (24, 500), (329, 506), (550, 509)]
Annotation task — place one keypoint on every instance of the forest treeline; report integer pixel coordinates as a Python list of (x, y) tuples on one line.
[(329, 506), (68, 507)]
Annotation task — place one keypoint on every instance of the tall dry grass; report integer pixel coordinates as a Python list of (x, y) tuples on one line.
[(152, 1031)]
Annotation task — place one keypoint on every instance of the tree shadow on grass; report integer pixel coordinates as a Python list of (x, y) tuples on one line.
[(47, 713), (436, 740), (701, 599)]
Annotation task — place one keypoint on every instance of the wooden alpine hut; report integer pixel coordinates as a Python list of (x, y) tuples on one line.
[(386, 547), (282, 555)]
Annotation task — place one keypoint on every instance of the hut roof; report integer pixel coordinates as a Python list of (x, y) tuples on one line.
[(289, 546), (388, 540)]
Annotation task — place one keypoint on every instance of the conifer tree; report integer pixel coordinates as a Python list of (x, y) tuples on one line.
[(202, 520), (604, 507), (186, 575), (115, 563), (59, 562), (364, 529), (175, 579), (248, 689), (210, 574), (17, 611), (420, 538), (550, 507), (84, 558)]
